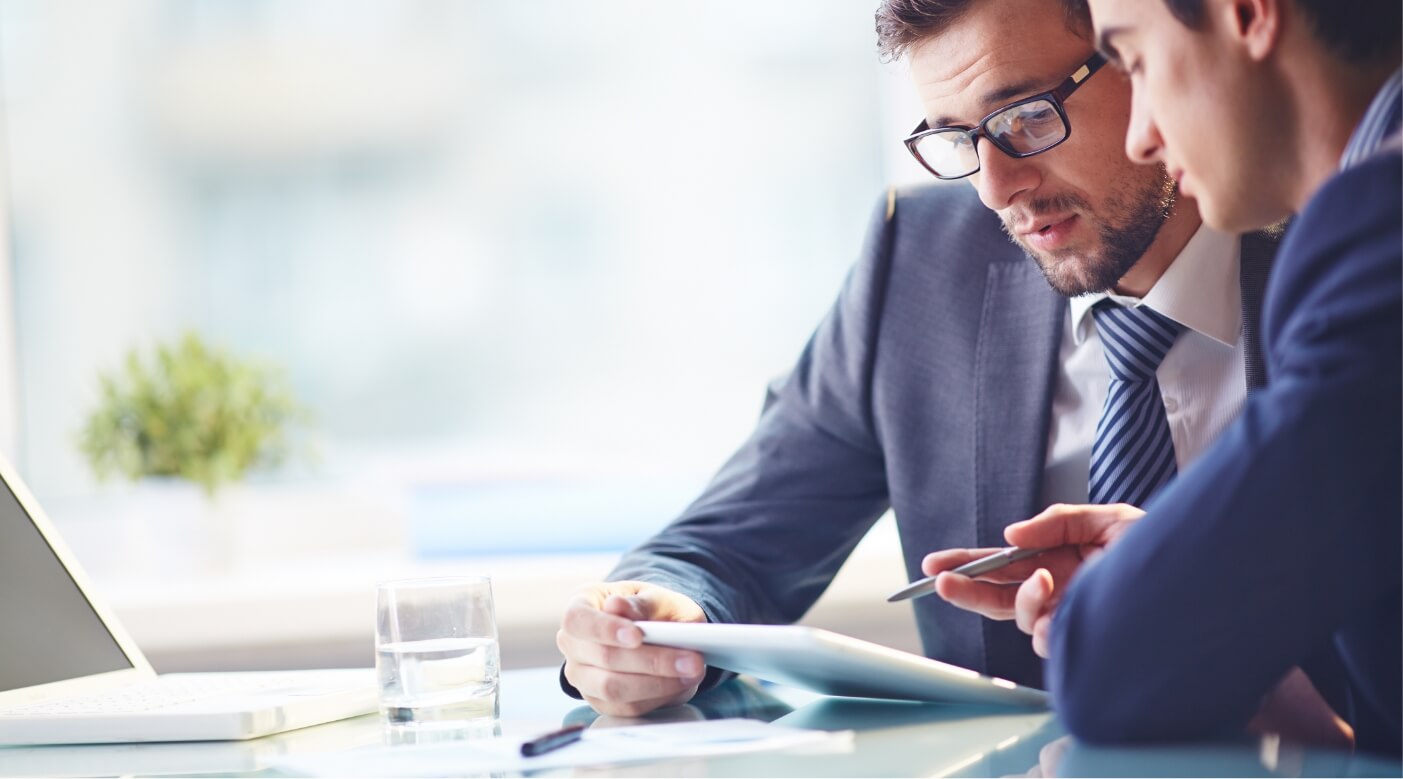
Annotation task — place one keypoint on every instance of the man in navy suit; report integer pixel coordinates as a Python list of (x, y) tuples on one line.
[(1280, 548), (954, 381)]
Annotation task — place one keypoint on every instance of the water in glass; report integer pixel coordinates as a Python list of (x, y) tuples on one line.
[(438, 681)]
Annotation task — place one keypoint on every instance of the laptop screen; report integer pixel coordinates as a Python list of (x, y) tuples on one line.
[(48, 630)]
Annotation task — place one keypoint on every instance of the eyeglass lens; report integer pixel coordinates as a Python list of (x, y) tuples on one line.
[(1021, 129)]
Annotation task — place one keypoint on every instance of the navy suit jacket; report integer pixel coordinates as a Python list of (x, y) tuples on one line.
[(927, 389), (1281, 546)]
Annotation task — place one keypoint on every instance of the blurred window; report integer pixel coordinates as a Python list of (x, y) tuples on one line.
[(530, 265)]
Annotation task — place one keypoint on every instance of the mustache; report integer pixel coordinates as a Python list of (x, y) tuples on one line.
[(1054, 204)]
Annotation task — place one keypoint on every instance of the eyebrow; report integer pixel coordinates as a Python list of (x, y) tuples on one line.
[(994, 97), (1107, 47)]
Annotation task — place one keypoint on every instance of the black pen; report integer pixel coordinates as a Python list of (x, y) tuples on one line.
[(552, 741)]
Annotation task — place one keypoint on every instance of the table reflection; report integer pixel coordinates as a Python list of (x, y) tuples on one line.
[(905, 738), (746, 699), (1249, 756)]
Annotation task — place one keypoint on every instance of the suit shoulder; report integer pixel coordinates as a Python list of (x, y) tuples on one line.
[(1357, 210), (1345, 246), (946, 220), (944, 201), (1369, 191)]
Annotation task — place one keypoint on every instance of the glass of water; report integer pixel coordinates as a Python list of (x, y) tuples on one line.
[(436, 652)]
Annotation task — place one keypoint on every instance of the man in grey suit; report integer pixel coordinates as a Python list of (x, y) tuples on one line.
[(954, 381)]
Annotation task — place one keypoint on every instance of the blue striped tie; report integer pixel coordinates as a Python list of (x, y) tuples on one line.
[(1133, 454)]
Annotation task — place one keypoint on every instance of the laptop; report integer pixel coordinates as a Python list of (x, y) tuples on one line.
[(69, 673)]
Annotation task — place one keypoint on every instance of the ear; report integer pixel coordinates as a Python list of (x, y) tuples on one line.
[(1253, 24)]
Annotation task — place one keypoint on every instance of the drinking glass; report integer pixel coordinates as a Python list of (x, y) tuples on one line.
[(436, 652)]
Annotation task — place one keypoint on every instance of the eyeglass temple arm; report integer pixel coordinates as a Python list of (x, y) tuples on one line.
[(1066, 88)]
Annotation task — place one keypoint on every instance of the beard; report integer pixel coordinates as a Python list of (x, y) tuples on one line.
[(1126, 227)]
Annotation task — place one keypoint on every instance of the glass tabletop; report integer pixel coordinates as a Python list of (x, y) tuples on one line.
[(890, 738)]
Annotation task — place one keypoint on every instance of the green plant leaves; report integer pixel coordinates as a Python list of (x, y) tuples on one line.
[(194, 412)]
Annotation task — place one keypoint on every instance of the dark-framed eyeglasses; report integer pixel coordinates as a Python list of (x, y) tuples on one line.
[(1030, 126)]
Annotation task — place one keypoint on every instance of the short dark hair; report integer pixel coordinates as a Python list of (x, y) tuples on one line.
[(1359, 31), (902, 24)]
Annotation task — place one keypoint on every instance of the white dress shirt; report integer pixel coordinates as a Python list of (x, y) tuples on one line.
[(1201, 377)]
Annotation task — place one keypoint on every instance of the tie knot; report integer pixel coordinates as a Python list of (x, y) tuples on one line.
[(1135, 339)]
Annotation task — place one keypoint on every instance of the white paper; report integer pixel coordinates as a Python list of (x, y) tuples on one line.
[(603, 746)]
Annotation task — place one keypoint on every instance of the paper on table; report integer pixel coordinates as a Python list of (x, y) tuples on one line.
[(708, 738)]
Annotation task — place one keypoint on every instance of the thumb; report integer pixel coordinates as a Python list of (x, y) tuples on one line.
[(634, 607), (1045, 582), (1032, 599)]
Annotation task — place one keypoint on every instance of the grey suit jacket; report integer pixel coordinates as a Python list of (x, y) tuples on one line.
[(927, 389)]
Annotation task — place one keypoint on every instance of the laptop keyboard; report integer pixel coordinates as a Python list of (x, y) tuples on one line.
[(156, 694)]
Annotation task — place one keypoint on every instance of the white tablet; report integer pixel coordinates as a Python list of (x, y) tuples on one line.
[(834, 664)]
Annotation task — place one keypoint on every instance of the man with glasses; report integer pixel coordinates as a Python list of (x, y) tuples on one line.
[(954, 381)]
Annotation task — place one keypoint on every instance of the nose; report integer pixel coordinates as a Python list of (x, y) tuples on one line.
[(1001, 178), (1143, 143)]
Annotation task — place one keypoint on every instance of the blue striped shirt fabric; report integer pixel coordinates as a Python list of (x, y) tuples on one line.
[(1381, 120)]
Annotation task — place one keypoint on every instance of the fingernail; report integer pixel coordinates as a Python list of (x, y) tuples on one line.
[(688, 666), (627, 637)]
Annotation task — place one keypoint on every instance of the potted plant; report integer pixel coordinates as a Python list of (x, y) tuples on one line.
[(191, 413)]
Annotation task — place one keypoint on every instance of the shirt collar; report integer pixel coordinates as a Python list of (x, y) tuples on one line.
[(1200, 290), (1380, 120)]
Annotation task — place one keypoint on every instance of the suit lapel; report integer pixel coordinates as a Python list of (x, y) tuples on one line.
[(1019, 335)]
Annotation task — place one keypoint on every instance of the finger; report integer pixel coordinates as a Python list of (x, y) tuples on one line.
[(650, 604), (1042, 636), (1061, 562), (994, 601), (949, 559), (1031, 600), (651, 660), (632, 608), (1068, 525), (585, 622), (625, 688)]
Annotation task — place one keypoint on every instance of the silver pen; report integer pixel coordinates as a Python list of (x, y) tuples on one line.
[(983, 565)]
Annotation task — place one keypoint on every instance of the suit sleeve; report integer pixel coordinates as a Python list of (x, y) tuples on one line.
[(770, 531), (1288, 530)]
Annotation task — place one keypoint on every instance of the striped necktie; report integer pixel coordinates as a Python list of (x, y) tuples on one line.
[(1133, 454)]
